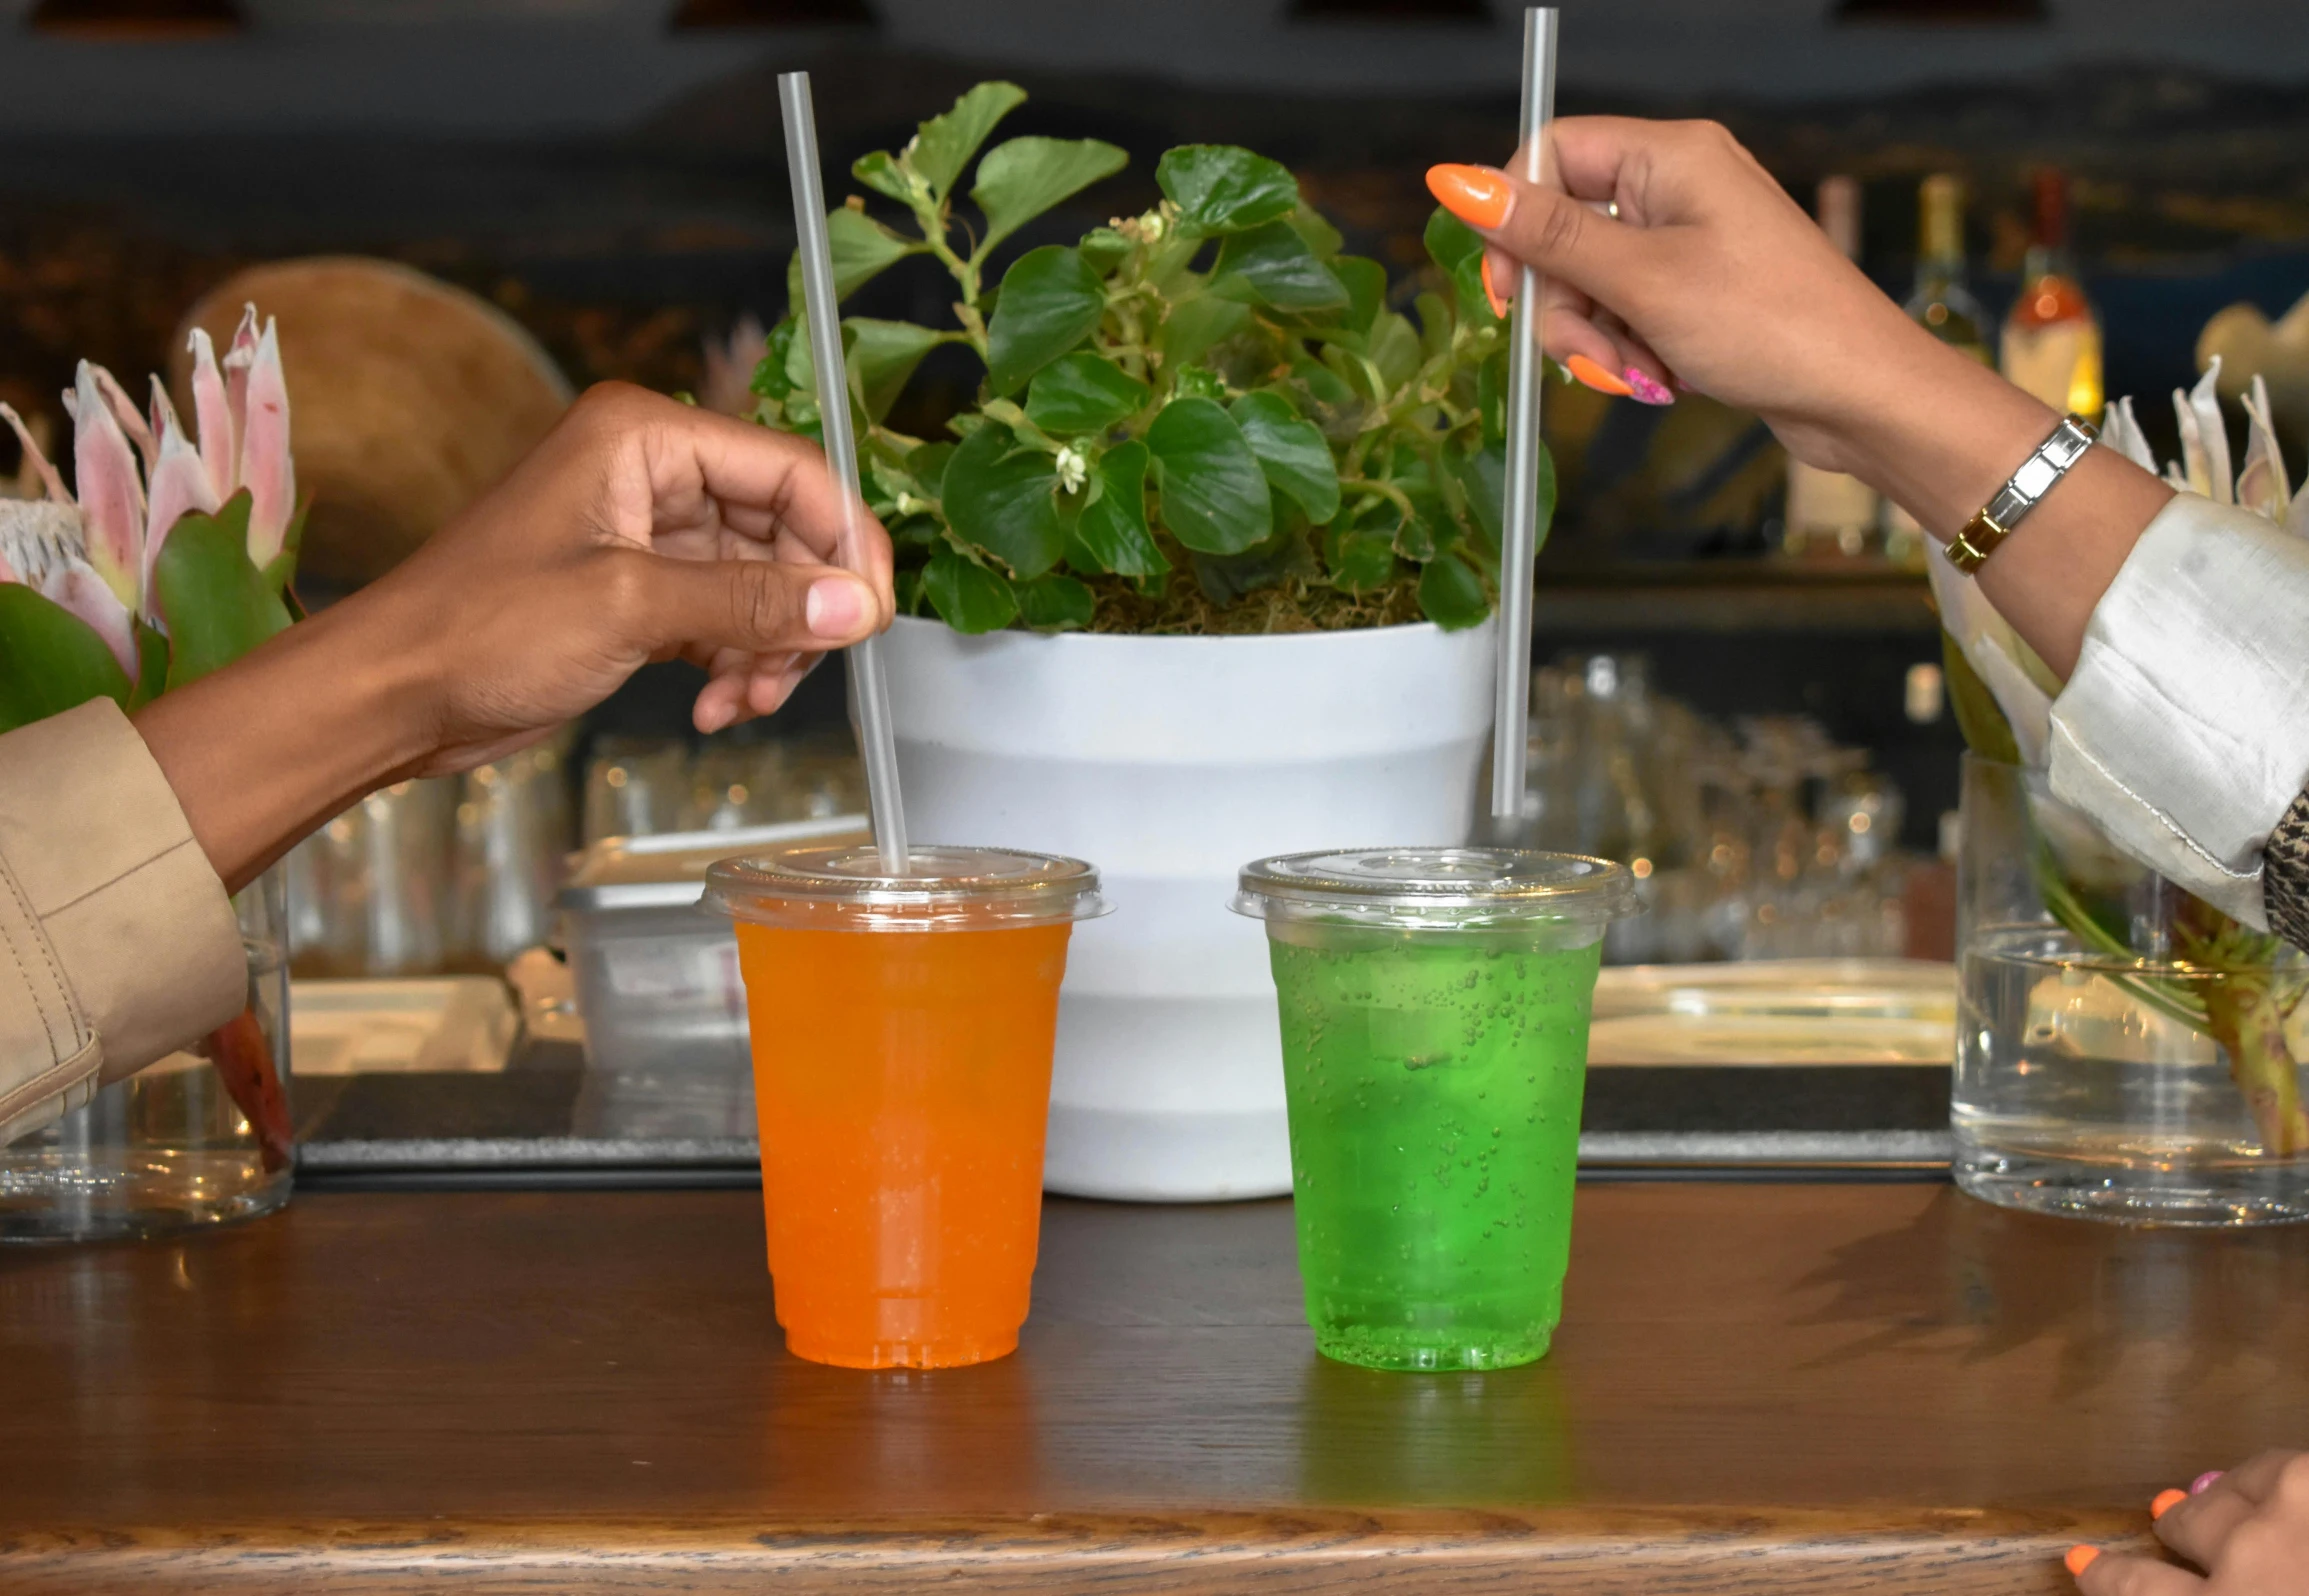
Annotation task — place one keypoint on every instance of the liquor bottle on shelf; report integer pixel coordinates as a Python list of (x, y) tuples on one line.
[(1943, 306), (1830, 513), (2052, 339)]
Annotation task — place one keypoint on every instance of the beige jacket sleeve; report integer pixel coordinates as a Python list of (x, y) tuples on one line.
[(117, 942)]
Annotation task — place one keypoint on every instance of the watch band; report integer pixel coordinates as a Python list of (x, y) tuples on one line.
[(1993, 522)]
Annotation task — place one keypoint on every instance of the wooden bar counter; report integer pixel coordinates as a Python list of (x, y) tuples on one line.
[(1843, 1388)]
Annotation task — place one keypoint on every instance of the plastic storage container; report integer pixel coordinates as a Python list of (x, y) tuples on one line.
[(657, 978)]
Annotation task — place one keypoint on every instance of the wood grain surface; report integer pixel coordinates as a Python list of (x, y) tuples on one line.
[(1833, 1388)]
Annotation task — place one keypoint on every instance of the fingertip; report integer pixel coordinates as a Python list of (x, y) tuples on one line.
[(2165, 1501), (2079, 1559), (839, 608)]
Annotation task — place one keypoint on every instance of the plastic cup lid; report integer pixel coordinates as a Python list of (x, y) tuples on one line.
[(1437, 886), (844, 887)]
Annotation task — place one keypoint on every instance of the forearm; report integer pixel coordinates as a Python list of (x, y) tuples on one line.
[(275, 744), (1946, 435)]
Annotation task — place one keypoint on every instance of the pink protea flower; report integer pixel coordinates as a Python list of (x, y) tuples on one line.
[(95, 550)]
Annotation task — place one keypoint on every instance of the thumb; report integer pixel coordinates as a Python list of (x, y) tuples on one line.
[(757, 606)]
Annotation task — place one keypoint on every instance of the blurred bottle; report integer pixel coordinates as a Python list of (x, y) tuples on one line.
[(2052, 339), (1942, 304), (1829, 512)]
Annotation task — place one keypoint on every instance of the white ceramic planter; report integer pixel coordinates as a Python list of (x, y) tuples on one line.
[(1169, 762)]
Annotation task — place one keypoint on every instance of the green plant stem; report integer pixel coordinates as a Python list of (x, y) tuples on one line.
[(2245, 1020), (2236, 1009)]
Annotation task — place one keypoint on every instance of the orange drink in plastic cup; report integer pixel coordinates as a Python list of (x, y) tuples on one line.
[(902, 1032)]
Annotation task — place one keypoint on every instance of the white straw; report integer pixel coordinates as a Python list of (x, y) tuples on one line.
[(869, 692), (1511, 723)]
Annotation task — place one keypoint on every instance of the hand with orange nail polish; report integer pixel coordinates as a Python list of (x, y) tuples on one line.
[(1598, 351), (2247, 1529), (1669, 258)]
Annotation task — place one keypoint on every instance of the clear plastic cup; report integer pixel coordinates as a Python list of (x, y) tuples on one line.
[(1435, 1013), (902, 1030)]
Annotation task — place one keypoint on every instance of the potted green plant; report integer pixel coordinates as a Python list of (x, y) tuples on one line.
[(169, 557), (1203, 573)]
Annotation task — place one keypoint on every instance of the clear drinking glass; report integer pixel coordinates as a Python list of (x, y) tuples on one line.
[(198, 1138), (2123, 1052), (903, 1029), (1435, 1006)]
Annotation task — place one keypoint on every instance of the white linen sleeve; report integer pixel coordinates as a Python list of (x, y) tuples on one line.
[(2184, 729)]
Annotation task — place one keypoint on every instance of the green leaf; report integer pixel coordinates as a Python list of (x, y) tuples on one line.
[(907, 587), (1214, 495), (1322, 383), (1051, 301), (881, 172), (1281, 269), (1451, 594), (942, 146), (1284, 554), (214, 602), (1394, 349), (1105, 249), (861, 248), (152, 660), (1056, 603), (927, 463), (1434, 325), (1022, 178), (1291, 451), (1458, 249), (1198, 324), (1491, 396), (1366, 283), (1978, 715), (1083, 393), (281, 569), (883, 356), (770, 379), (1112, 528), (1451, 243), (1313, 226), (1221, 189), (1360, 561), (966, 595), (1001, 495), (51, 660)]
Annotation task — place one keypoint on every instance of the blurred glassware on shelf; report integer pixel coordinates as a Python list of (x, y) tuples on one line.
[(460, 873), (513, 832), (425, 877), (635, 787), (1765, 840)]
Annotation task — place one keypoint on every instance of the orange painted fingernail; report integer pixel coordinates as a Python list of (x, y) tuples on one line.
[(2081, 1558), (1498, 304), (1594, 376), (2164, 1502), (1477, 195)]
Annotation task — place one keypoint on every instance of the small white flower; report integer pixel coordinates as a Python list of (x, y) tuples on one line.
[(1073, 468), (909, 505), (1152, 226)]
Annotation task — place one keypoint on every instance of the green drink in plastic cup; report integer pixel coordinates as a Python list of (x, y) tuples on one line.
[(1435, 1013)]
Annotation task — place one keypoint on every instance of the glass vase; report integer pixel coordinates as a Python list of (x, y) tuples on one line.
[(2124, 1051), (200, 1137)]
